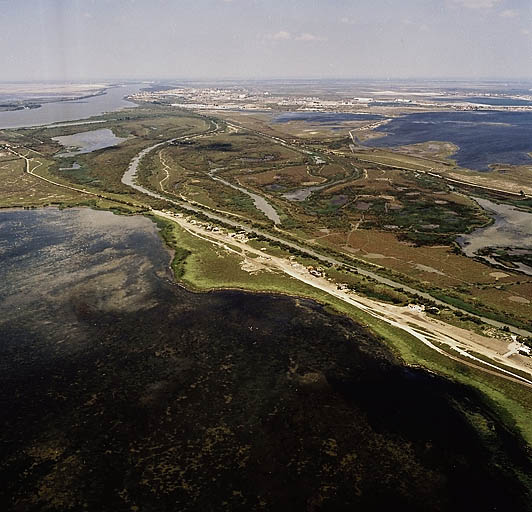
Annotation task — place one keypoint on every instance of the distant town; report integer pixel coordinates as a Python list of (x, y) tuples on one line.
[(238, 98)]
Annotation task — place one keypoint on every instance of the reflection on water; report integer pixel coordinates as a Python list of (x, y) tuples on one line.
[(51, 255), (71, 110), (123, 391), (260, 203), (88, 141), (511, 228), (302, 193)]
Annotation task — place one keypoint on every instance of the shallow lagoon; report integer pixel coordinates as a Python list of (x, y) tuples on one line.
[(86, 142), (511, 228), (325, 117), (123, 391), (483, 138), (485, 100)]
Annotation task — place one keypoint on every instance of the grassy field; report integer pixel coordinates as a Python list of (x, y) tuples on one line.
[(21, 189), (504, 177)]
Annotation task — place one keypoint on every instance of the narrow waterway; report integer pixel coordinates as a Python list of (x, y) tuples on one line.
[(130, 176), (260, 203)]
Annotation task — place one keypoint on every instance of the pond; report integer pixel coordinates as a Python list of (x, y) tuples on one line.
[(87, 142)]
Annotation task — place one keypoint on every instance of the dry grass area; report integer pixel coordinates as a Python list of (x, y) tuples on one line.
[(437, 266), (21, 189), (511, 178), (293, 175), (332, 170), (523, 287), (381, 156), (433, 149), (508, 299), (257, 121), (385, 249)]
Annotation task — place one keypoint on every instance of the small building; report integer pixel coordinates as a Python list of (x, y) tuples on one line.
[(524, 350)]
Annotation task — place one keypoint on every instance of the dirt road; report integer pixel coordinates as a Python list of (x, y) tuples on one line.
[(429, 331)]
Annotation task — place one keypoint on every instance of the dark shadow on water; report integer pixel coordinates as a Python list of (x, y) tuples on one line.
[(223, 400)]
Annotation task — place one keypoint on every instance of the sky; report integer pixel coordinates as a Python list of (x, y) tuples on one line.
[(256, 39)]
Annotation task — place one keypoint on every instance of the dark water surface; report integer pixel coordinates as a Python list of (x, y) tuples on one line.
[(486, 100), (484, 138), (123, 391), (325, 117)]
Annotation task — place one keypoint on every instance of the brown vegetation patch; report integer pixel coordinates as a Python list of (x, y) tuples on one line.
[(293, 175)]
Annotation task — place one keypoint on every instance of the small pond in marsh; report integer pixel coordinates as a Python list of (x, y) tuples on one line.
[(124, 391), (87, 142)]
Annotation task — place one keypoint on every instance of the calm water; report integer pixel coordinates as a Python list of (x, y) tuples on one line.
[(511, 228), (325, 117), (88, 141), (72, 110), (119, 386), (480, 100), (484, 138), (303, 193), (258, 201)]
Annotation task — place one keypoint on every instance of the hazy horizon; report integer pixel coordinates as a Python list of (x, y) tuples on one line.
[(212, 79), (56, 40)]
